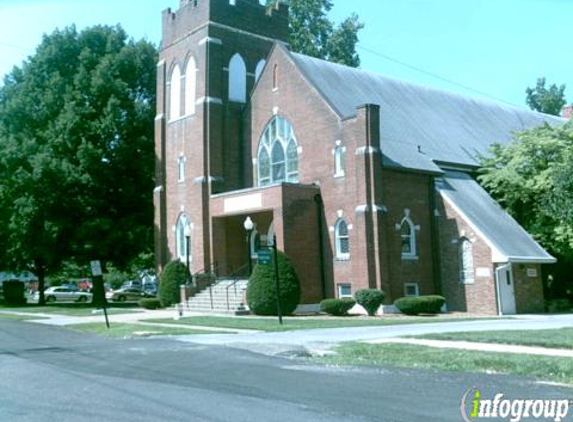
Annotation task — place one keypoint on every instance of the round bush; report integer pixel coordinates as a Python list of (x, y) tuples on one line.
[(337, 307), (420, 305), (14, 292), (261, 290), (174, 275), (370, 300), (150, 303)]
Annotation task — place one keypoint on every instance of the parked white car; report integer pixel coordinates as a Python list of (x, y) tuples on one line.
[(64, 294)]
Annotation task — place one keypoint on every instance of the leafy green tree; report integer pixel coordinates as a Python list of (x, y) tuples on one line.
[(174, 275), (545, 100), (262, 288), (313, 34), (531, 179), (77, 155)]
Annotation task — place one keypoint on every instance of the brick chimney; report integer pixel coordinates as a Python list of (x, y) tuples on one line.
[(567, 112)]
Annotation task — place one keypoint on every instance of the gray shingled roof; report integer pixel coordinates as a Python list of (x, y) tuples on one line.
[(448, 128), (508, 239)]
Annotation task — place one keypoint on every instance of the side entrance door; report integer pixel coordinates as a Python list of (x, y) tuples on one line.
[(506, 289)]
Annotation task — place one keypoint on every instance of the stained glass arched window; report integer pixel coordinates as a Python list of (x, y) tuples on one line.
[(277, 156)]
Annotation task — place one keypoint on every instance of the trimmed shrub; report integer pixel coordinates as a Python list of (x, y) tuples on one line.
[(420, 305), (14, 292), (337, 307), (150, 303), (261, 290), (370, 299), (174, 275)]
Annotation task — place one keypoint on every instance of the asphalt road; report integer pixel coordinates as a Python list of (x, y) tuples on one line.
[(53, 374)]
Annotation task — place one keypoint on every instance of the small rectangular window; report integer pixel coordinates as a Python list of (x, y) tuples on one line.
[(344, 290), (339, 161), (181, 169), (411, 290)]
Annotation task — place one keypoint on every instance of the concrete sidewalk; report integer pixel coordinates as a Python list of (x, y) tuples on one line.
[(138, 316), (478, 347), (320, 341)]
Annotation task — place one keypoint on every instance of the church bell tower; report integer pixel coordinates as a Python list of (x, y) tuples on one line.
[(211, 55)]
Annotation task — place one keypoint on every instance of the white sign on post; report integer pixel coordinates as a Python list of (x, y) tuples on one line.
[(96, 268)]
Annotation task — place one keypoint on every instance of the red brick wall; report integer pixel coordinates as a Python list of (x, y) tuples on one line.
[(477, 298), (317, 129), (528, 288), (408, 191)]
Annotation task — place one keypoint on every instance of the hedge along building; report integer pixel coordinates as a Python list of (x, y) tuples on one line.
[(365, 181)]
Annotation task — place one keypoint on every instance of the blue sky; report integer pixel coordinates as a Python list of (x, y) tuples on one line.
[(498, 47)]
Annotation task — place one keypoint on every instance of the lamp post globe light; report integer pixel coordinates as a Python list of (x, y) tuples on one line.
[(249, 226), (187, 234)]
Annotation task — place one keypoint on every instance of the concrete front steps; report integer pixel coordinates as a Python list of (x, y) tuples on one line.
[(228, 297)]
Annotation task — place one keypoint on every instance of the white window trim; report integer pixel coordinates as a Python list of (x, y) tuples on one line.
[(175, 88), (339, 169), (182, 222), (237, 79), (341, 256), (466, 275), (181, 169), (191, 87), (415, 285), (284, 140), (339, 290), (413, 254)]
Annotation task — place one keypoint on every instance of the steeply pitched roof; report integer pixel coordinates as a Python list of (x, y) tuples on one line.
[(419, 125), (508, 240)]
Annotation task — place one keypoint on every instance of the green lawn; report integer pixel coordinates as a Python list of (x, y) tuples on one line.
[(554, 369), (560, 339), (72, 309), (303, 323), (120, 330)]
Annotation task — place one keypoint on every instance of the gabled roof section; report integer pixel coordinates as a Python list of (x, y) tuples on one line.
[(448, 128), (507, 239)]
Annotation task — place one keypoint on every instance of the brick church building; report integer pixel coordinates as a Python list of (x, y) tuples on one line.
[(366, 181)]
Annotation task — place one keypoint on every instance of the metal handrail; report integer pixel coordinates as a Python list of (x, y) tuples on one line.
[(235, 277), (210, 271)]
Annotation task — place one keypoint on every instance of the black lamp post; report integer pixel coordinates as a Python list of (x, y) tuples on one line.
[(249, 226), (187, 234)]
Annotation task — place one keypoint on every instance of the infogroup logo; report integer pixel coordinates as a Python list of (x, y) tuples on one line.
[(475, 407)]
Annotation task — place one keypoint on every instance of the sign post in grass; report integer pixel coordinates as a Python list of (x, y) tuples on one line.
[(277, 281), (98, 289)]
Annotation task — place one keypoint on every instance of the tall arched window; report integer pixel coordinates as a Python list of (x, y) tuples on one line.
[(339, 161), (181, 161), (341, 240), (180, 240), (237, 79), (466, 261), (259, 69), (190, 86), (408, 237), (278, 154), (175, 94)]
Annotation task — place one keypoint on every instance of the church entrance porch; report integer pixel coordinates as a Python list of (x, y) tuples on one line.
[(287, 211)]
